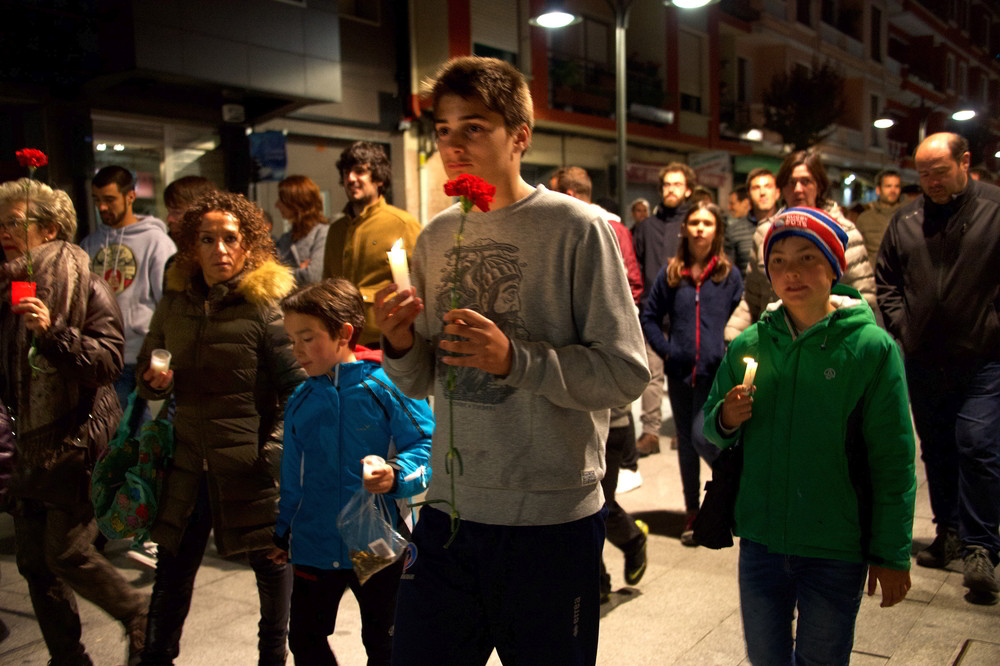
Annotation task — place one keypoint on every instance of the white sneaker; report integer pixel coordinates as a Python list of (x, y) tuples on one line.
[(628, 481), (143, 553)]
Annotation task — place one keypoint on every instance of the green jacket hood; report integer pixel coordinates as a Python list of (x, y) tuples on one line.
[(850, 311)]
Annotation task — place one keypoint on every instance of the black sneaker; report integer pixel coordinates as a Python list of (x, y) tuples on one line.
[(945, 548), (980, 577), (635, 558)]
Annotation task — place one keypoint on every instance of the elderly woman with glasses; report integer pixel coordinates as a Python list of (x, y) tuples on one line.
[(60, 352)]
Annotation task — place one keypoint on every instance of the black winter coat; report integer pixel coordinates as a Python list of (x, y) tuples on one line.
[(233, 371), (938, 276)]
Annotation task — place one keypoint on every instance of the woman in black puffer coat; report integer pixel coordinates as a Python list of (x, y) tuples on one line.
[(232, 370)]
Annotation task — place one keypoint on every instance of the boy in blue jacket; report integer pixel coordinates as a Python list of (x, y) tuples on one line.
[(346, 413)]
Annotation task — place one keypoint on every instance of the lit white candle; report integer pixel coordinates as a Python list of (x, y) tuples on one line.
[(750, 374), (397, 264), (159, 360)]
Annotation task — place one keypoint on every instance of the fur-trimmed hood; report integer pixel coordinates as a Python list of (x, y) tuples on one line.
[(268, 283)]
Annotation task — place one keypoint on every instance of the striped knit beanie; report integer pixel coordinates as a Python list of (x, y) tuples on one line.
[(815, 226)]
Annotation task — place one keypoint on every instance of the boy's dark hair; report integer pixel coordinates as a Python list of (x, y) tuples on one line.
[(497, 84), (370, 155), (880, 176), (120, 176), (334, 301), (741, 192), (757, 173), (183, 192)]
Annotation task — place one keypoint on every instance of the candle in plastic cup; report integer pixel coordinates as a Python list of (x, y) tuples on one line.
[(750, 374), (159, 360), (19, 290), (398, 266), (368, 465)]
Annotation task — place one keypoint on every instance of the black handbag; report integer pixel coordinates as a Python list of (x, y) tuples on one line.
[(713, 526)]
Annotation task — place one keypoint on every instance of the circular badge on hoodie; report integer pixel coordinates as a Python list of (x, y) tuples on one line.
[(117, 265)]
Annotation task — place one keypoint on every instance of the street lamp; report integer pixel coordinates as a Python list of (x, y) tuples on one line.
[(886, 120), (555, 15)]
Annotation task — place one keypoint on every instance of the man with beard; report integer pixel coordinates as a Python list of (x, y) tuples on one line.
[(129, 251), (656, 241), (873, 222), (357, 243)]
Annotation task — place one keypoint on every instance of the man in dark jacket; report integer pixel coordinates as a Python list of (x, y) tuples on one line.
[(937, 285), (656, 240), (763, 197)]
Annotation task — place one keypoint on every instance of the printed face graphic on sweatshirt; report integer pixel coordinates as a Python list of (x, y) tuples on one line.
[(116, 263), (489, 282)]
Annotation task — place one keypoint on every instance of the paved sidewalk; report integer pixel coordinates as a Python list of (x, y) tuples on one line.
[(685, 610)]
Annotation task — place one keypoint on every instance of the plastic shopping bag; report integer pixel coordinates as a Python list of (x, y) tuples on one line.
[(372, 542)]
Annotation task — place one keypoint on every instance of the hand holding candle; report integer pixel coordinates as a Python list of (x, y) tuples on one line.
[(159, 360), (397, 264), (19, 290), (750, 374)]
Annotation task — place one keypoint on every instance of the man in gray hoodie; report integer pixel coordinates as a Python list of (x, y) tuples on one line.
[(129, 251)]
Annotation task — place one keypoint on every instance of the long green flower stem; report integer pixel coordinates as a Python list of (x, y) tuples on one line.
[(453, 455)]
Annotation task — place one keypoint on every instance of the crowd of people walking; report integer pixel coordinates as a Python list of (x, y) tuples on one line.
[(304, 373)]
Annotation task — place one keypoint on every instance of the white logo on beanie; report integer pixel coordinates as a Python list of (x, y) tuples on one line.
[(829, 373)]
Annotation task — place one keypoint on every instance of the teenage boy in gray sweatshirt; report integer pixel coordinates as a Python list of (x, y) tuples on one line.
[(545, 340)]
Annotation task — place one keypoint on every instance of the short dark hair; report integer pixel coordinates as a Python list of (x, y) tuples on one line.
[(183, 192), (742, 193), (574, 178), (812, 161), (369, 155), (883, 173), (497, 84), (255, 232), (757, 173), (334, 301), (120, 176), (690, 177), (912, 188)]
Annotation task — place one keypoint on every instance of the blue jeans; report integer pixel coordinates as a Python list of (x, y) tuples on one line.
[(826, 593), (956, 408)]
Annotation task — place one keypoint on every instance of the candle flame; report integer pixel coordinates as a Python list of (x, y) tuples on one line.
[(747, 359), (398, 245)]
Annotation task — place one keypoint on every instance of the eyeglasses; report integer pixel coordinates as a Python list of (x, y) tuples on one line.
[(14, 224)]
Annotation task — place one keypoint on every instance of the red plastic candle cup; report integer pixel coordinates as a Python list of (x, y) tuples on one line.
[(19, 290)]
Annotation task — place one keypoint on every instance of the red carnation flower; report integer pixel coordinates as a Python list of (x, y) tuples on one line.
[(473, 189), (31, 158)]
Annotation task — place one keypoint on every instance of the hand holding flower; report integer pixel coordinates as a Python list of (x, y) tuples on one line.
[(481, 344)]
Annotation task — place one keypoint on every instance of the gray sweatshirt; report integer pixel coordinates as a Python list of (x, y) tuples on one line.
[(546, 270)]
